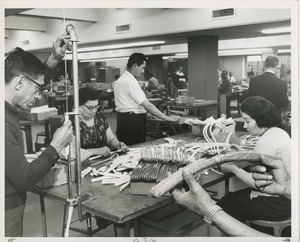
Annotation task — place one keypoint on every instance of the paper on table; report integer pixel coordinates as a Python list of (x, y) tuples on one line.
[(42, 109)]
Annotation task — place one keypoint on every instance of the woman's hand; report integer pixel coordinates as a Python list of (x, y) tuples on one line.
[(104, 151), (237, 148), (123, 147)]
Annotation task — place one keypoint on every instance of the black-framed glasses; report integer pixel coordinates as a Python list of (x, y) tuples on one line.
[(41, 87), (92, 108)]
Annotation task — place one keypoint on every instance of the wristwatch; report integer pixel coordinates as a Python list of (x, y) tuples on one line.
[(208, 217)]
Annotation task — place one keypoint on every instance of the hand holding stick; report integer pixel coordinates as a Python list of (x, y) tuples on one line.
[(202, 164)]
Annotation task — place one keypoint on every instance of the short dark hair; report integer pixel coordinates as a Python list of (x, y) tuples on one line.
[(262, 111), (271, 61), (150, 75), (250, 73), (20, 62), (87, 94), (136, 58)]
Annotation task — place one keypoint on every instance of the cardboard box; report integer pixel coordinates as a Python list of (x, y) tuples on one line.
[(57, 176), (26, 115)]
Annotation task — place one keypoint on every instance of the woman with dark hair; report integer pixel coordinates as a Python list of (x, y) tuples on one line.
[(96, 137), (262, 120)]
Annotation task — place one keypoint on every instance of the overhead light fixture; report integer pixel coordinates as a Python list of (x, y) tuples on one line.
[(284, 51), (120, 46), (252, 58), (181, 54), (104, 59), (276, 30), (243, 51)]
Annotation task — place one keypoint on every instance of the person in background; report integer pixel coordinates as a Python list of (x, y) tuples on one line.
[(247, 79), (288, 81), (117, 77), (24, 83), (182, 82), (153, 83), (232, 79), (262, 120), (132, 104), (96, 137), (179, 71), (225, 88), (270, 87), (276, 181)]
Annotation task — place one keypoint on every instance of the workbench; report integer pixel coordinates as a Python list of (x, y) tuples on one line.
[(200, 108), (119, 207)]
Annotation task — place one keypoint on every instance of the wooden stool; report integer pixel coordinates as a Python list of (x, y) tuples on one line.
[(277, 226)]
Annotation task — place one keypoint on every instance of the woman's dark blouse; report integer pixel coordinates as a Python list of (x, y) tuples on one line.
[(94, 136)]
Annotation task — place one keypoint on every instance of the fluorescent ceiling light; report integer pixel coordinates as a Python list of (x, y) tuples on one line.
[(104, 59), (284, 51), (243, 51), (252, 58), (276, 30), (120, 46), (181, 54)]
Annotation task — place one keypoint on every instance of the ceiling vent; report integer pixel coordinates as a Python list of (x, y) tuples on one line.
[(156, 47), (25, 42), (123, 28), (223, 13)]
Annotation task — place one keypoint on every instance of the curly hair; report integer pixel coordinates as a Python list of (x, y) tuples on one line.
[(87, 94), (262, 111)]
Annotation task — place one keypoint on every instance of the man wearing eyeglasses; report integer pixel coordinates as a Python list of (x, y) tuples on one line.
[(24, 83)]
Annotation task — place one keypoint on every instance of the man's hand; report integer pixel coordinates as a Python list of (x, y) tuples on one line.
[(276, 182), (60, 46), (196, 199), (174, 118), (62, 136)]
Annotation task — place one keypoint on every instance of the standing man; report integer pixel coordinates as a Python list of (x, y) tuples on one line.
[(132, 104), (24, 83), (270, 87)]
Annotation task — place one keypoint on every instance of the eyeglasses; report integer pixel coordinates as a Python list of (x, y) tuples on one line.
[(41, 87), (92, 108)]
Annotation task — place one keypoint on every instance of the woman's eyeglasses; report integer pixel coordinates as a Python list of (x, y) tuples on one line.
[(41, 88), (92, 108)]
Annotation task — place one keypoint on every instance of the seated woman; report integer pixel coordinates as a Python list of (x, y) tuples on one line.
[(261, 119), (96, 137)]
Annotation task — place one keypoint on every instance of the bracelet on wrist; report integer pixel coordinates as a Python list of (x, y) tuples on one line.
[(208, 217)]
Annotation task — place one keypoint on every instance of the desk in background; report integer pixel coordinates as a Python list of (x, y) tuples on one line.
[(119, 207), (26, 126), (200, 108)]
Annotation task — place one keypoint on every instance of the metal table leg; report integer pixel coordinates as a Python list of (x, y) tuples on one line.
[(43, 214)]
